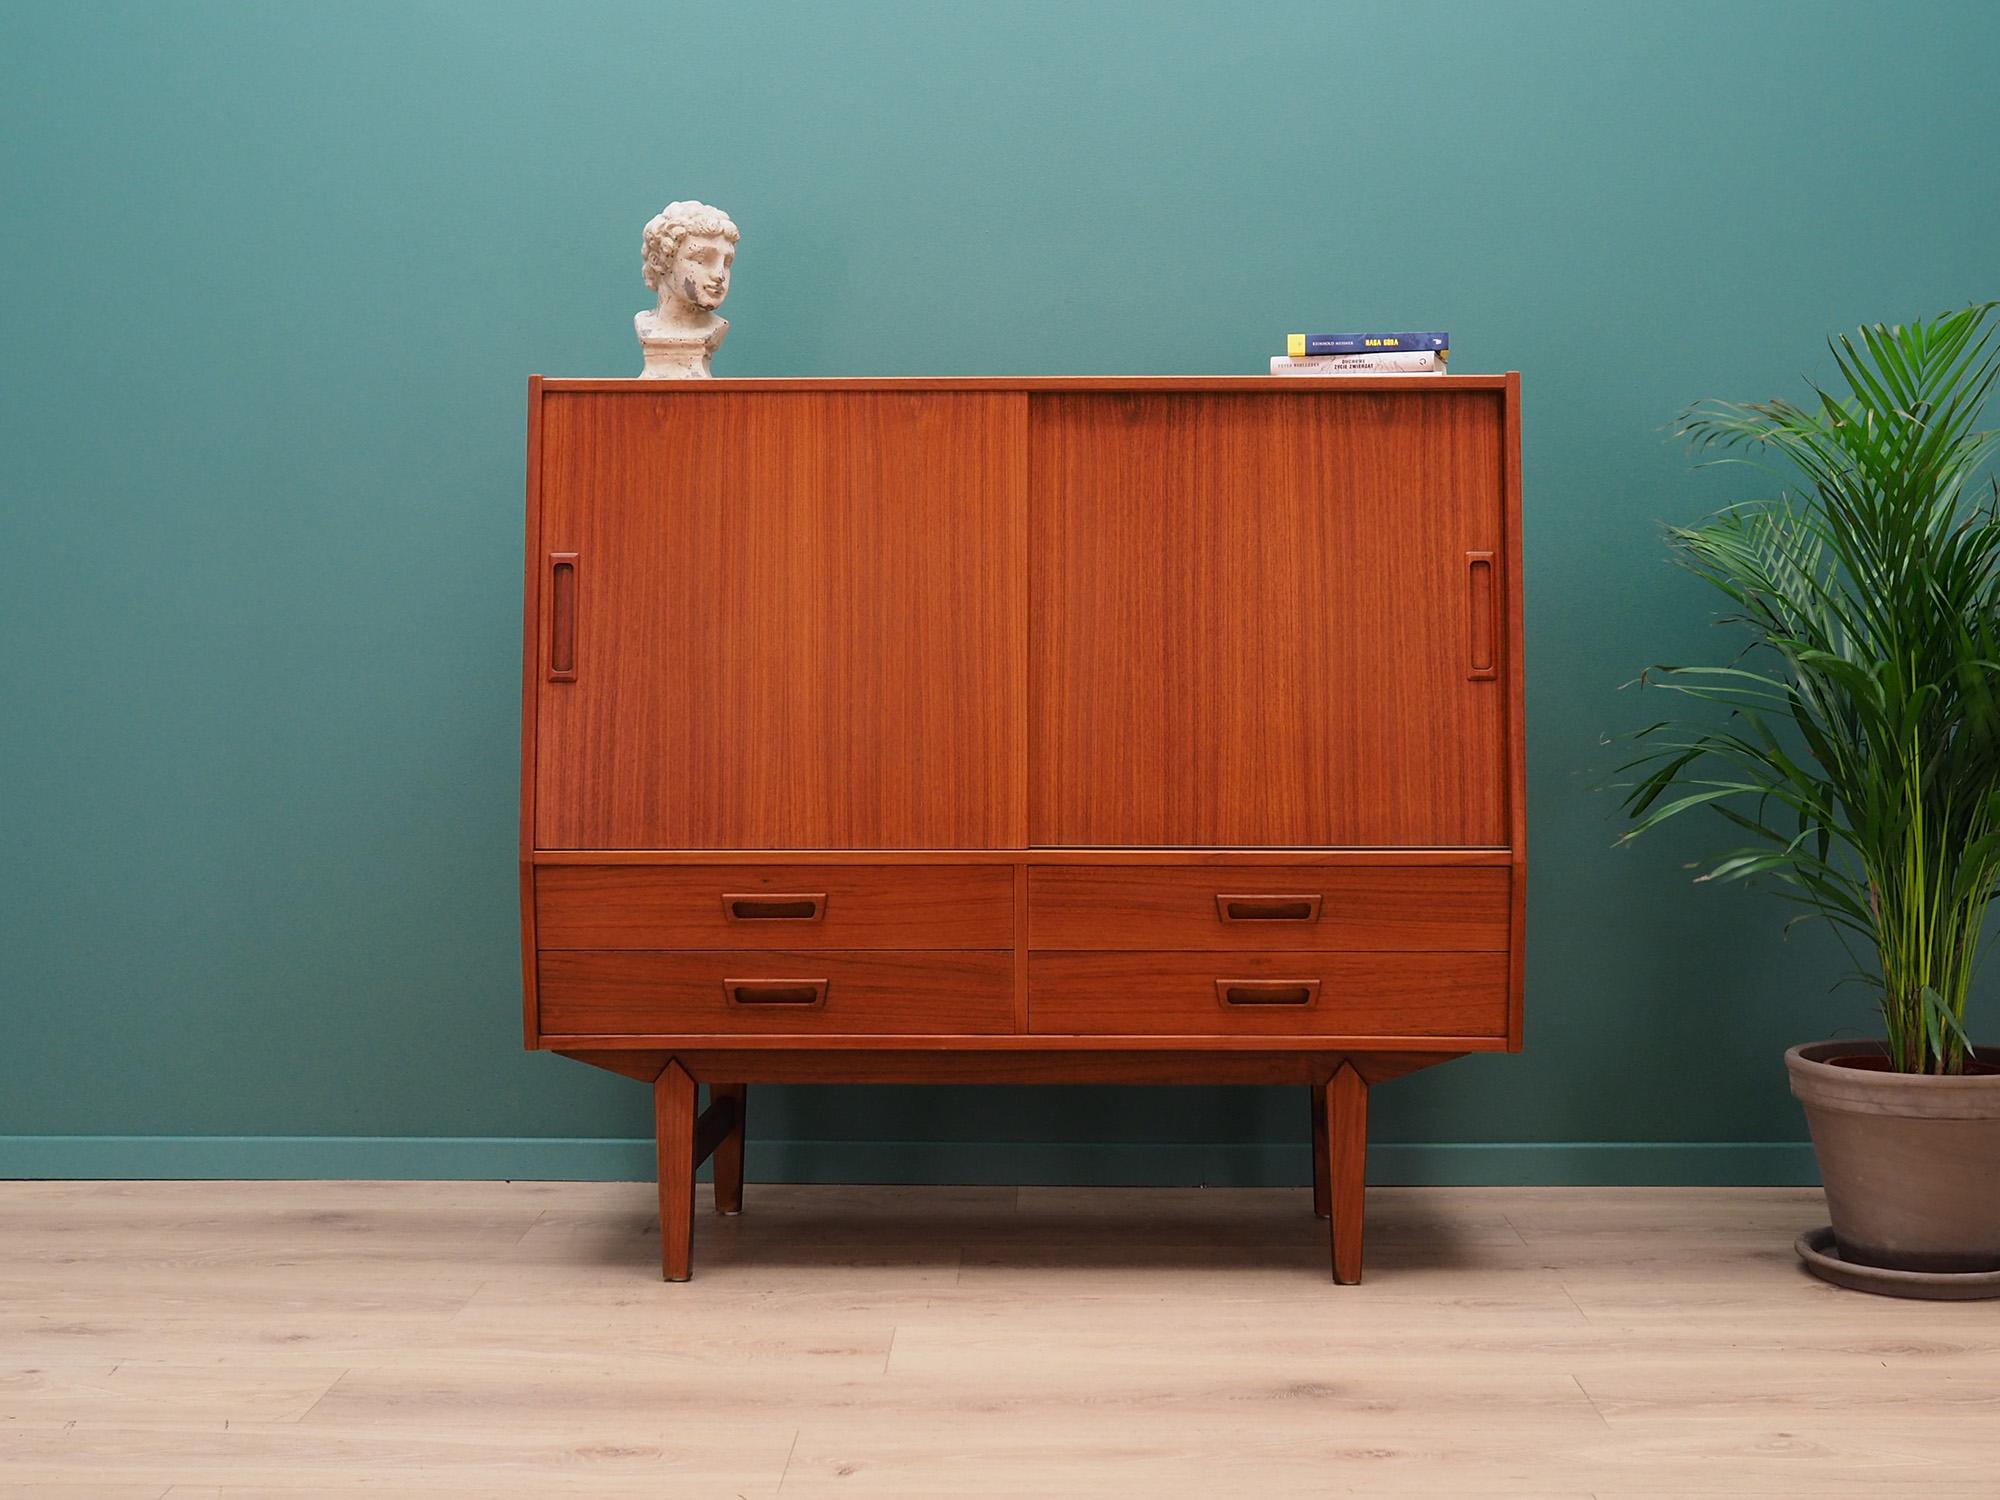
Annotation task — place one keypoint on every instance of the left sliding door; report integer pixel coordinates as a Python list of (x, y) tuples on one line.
[(781, 619)]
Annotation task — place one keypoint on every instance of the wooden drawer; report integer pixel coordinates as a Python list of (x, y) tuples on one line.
[(1294, 908), (612, 992), (774, 906), (1268, 994)]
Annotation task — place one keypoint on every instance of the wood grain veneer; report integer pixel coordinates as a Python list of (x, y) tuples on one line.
[(1514, 677), (1252, 622), (1322, 1179), (729, 1150), (1014, 729), (1031, 384), (716, 906), (1346, 994), (915, 1060), (797, 622), (531, 657), (1077, 1053), (1074, 1061), (674, 1134), (1182, 855), (1303, 907), (653, 993), (1346, 1099)]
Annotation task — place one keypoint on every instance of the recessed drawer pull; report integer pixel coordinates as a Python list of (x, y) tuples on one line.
[(1267, 991), (803, 994), (764, 906), (1267, 908)]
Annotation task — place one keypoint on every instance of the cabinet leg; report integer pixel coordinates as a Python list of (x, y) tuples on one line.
[(673, 1125), (1347, 1153), (1322, 1193), (729, 1152)]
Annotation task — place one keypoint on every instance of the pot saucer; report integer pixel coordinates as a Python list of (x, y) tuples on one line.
[(1822, 1257)]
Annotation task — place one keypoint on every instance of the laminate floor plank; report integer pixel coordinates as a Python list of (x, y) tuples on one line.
[(713, 1456), (412, 1341), (159, 1394), (483, 1490)]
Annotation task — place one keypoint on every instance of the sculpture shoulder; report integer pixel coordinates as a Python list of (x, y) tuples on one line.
[(647, 324)]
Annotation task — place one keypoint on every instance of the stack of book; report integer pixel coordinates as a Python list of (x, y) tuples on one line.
[(1363, 354)]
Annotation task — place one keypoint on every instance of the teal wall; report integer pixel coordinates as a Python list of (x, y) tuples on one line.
[(275, 276)]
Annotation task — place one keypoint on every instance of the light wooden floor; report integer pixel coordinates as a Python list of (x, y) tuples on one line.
[(440, 1340)]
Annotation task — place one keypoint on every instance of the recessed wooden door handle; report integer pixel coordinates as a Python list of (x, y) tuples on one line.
[(1484, 598), (802, 994), (1267, 991), (562, 617), (1265, 908), (768, 906)]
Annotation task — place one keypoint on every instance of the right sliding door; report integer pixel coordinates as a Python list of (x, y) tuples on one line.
[(1267, 618)]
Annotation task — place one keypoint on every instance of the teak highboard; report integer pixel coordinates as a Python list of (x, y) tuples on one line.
[(1135, 730)]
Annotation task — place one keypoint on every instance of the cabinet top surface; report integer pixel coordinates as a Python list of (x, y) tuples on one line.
[(1291, 384)]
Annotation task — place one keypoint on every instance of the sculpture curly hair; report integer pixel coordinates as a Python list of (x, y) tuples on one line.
[(672, 224)]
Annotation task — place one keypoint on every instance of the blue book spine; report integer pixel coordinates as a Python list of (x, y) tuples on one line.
[(1375, 343)]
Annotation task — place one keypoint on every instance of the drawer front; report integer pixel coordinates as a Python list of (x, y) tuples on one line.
[(790, 992), (1296, 908), (1268, 994), (774, 906)]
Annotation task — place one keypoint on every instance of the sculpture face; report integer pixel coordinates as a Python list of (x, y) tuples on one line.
[(701, 270)]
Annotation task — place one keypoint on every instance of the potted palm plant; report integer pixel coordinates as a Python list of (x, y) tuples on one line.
[(1854, 745)]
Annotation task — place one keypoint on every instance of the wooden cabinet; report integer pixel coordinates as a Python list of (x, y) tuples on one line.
[(1146, 730)]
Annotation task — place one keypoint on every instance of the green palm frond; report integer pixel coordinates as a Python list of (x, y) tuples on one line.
[(1856, 739)]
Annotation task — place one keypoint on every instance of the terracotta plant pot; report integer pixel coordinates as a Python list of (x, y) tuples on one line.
[(1911, 1163)]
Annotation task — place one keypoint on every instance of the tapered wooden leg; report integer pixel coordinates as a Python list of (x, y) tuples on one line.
[(673, 1125), (1347, 1154), (1322, 1193), (729, 1152)]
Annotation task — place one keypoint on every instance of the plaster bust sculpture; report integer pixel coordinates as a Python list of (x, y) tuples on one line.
[(689, 248)]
